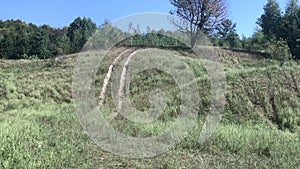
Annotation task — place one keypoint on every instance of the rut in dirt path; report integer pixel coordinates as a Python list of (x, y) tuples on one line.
[(108, 76), (121, 93)]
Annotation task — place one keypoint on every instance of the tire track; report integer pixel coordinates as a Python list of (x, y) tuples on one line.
[(121, 92), (108, 76)]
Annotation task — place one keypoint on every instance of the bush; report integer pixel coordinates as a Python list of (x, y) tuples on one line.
[(30, 57), (279, 50)]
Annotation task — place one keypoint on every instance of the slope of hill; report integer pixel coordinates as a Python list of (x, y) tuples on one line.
[(260, 126)]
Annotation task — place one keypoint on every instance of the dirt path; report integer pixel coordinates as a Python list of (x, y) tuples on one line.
[(121, 93), (108, 76)]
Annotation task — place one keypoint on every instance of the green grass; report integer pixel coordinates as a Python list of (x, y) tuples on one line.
[(259, 129), (47, 136), (50, 136)]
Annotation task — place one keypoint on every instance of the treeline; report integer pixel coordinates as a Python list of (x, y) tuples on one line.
[(280, 32), (19, 40), (278, 36), (154, 39)]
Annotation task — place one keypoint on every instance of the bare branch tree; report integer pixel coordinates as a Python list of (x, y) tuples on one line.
[(198, 16)]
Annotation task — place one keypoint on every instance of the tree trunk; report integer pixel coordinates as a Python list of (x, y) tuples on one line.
[(193, 41)]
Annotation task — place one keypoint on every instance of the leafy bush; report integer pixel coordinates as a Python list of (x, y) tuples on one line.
[(279, 50), (30, 57)]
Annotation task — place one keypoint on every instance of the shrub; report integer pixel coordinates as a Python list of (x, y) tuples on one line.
[(30, 57), (279, 50)]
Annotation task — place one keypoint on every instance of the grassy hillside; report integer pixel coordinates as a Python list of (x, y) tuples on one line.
[(260, 127)]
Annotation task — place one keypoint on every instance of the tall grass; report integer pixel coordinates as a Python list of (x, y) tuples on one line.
[(259, 128)]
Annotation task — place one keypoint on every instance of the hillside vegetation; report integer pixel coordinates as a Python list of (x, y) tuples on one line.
[(260, 126)]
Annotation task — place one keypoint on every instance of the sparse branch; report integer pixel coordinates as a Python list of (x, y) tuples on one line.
[(199, 15)]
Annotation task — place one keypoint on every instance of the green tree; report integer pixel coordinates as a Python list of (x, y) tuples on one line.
[(258, 41), (41, 43), (233, 40), (226, 33), (63, 45), (15, 39), (245, 42), (279, 50), (225, 27), (19, 40), (292, 25), (271, 21), (80, 30), (105, 37)]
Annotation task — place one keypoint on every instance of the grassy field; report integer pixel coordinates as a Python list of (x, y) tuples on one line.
[(260, 127)]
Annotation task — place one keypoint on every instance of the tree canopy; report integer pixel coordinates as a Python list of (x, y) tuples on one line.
[(19, 40), (277, 30), (271, 21), (282, 27)]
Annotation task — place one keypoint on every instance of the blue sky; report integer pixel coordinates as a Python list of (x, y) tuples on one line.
[(59, 13)]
